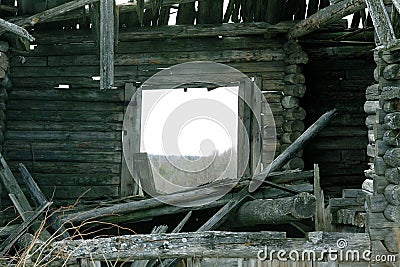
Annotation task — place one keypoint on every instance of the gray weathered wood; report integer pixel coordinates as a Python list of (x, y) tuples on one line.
[(107, 44), (39, 199), (21, 32), (294, 148), (22, 228), (276, 211), (206, 244), (382, 23), (325, 16)]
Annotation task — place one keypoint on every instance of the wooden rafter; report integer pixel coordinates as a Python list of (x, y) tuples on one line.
[(326, 16), (383, 26)]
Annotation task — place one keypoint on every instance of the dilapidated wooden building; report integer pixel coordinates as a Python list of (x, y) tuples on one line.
[(73, 73)]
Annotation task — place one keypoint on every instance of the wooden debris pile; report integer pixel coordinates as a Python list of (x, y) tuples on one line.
[(252, 202)]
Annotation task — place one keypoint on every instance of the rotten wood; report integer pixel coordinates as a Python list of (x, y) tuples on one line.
[(107, 44)]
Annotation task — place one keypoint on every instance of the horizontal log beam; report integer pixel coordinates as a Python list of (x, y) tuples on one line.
[(205, 244), (326, 16)]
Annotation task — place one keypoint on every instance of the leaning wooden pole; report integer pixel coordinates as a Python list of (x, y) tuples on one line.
[(293, 149), (326, 16)]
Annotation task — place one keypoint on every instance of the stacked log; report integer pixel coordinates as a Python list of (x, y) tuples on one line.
[(383, 121), (294, 89)]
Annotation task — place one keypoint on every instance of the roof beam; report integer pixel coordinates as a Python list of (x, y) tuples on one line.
[(383, 26), (326, 16)]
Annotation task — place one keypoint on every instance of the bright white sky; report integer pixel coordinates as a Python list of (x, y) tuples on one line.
[(194, 133)]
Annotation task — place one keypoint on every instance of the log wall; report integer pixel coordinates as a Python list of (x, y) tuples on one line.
[(336, 77), (70, 139), (382, 108)]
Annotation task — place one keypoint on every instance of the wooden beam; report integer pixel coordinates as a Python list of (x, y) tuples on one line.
[(51, 13), (326, 16), (383, 26), (293, 149), (205, 244), (10, 27), (107, 44), (192, 31)]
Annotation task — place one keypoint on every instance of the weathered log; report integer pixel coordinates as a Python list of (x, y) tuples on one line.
[(326, 16), (206, 244), (392, 121), (293, 164), (381, 21), (392, 105), (392, 72), (391, 242), (392, 157), (390, 92), (290, 102), (376, 203), (288, 138), (21, 32), (392, 194), (392, 213), (380, 148), (297, 90), (370, 121), (294, 78), (296, 58), (370, 107), (380, 116), (392, 138), (371, 150), (293, 126), (292, 69), (291, 47), (393, 175), (294, 148), (371, 136), (379, 165), (372, 92), (294, 114), (276, 211), (379, 184)]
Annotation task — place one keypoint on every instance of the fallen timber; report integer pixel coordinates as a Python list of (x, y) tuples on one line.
[(205, 244), (149, 208)]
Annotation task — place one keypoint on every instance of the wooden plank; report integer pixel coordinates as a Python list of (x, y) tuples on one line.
[(15, 29), (38, 197), (71, 116), (46, 105), (142, 164), (132, 139), (225, 56), (81, 94), (66, 126), (65, 167), (60, 135), (81, 156), (107, 44)]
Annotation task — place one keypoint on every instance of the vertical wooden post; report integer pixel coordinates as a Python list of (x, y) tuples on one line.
[(128, 185), (243, 156), (106, 44), (256, 143)]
